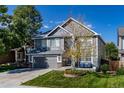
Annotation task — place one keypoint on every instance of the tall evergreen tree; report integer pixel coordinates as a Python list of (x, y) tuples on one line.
[(27, 21)]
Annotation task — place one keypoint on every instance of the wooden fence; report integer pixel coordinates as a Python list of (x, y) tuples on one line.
[(114, 65), (7, 58)]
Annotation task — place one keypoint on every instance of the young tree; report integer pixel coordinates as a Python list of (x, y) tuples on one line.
[(111, 51), (80, 45)]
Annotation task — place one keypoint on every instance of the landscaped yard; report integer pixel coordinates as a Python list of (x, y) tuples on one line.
[(90, 80)]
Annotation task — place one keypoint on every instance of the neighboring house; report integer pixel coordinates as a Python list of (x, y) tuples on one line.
[(49, 47), (20, 57), (120, 43)]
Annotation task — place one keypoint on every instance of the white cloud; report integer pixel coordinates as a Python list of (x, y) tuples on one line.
[(88, 25), (58, 22), (51, 21), (46, 26)]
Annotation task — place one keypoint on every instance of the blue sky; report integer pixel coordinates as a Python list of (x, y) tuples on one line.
[(105, 20)]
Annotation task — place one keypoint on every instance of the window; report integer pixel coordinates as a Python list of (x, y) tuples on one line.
[(43, 43), (86, 59), (87, 43), (30, 58), (59, 59), (86, 56), (55, 43), (37, 43)]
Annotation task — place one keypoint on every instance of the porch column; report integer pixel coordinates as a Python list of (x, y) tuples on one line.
[(16, 56)]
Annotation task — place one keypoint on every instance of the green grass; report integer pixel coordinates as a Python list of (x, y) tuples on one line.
[(90, 80)]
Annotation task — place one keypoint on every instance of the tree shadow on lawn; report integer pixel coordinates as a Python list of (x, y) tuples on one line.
[(24, 70)]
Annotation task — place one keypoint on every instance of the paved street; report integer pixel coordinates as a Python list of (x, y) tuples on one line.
[(15, 77)]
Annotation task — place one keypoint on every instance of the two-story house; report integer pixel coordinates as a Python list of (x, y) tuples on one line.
[(49, 47)]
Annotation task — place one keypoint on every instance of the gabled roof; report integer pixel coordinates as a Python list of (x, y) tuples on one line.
[(79, 24), (61, 26)]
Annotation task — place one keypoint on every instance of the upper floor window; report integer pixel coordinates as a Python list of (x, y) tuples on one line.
[(55, 42), (43, 43), (37, 43)]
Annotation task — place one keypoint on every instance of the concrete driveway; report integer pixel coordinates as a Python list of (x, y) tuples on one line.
[(14, 78)]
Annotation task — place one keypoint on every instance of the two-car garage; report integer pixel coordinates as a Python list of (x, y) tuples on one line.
[(48, 59)]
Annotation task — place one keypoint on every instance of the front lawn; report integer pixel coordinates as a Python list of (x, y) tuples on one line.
[(90, 80)]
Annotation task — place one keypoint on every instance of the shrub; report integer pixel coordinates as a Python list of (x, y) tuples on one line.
[(120, 71), (6, 67), (104, 68), (75, 72)]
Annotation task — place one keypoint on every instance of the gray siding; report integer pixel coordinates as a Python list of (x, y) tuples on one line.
[(101, 51), (95, 51), (78, 28), (120, 47), (121, 38)]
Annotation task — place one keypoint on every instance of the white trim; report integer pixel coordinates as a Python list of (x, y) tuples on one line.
[(66, 30), (92, 53), (32, 62), (51, 31), (15, 55), (59, 61), (60, 28), (19, 56), (30, 58), (97, 54)]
